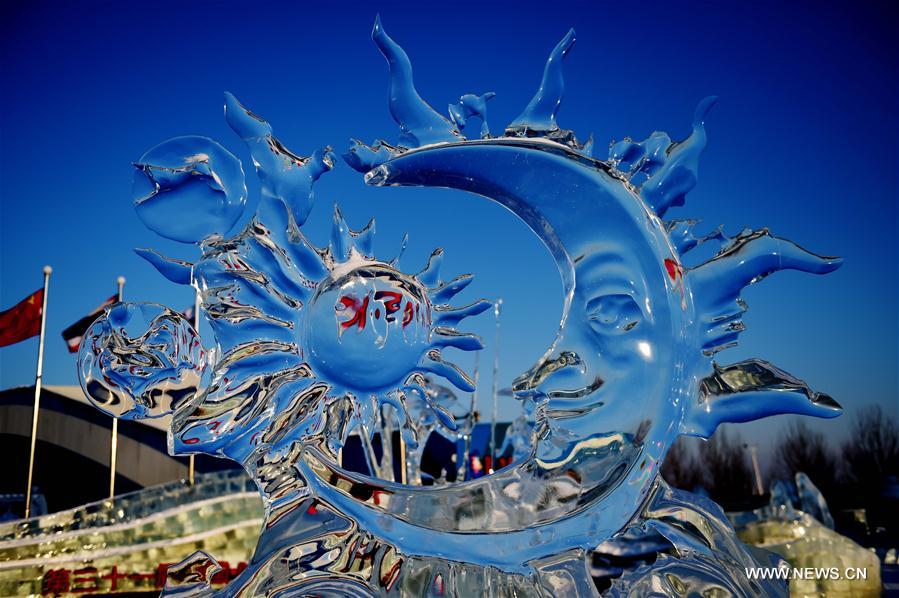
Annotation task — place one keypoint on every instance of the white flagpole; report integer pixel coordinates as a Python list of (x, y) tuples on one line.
[(497, 307), (472, 413), (754, 452), (37, 391), (190, 463), (114, 441)]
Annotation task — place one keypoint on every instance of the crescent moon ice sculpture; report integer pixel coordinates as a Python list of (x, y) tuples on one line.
[(315, 344)]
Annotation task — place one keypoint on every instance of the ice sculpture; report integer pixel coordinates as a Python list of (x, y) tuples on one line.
[(802, 494), (313, 344), (811, 500), (143, 361), (805, 538), (780, 504), (421, 417)]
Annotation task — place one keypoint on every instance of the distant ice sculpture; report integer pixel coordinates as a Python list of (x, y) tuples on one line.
[(313, 344), (787, 497), (805, 537), (780, 504), (811, 500)]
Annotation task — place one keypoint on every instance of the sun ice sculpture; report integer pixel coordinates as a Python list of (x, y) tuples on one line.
[(313, 344)]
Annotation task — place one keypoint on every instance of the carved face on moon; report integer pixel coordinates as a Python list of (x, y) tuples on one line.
[(618, 365), (630, 368)]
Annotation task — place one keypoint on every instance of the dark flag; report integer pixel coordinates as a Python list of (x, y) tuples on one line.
[(22, 321), (75, 333)]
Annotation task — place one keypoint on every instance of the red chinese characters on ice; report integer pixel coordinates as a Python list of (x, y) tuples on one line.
[(88, 580), (387, 304)]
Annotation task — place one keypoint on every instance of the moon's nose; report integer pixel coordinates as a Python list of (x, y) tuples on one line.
[(564, 376), (529, 382)]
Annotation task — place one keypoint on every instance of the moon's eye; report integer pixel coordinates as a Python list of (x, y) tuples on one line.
[(615, 313)]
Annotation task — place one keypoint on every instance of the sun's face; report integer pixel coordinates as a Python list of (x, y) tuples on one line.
[(310, 341), (368, 327), (363, 337)]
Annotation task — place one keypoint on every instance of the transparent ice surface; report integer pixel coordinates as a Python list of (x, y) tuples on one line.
[(140, 360), (519, 438), (184, 176), (811, 500), (469, 106), (314, 344)]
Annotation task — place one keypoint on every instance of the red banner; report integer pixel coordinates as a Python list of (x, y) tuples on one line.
[(22, 321)]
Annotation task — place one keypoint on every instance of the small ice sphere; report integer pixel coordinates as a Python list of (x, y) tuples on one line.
[(189, 189), (140, 360)]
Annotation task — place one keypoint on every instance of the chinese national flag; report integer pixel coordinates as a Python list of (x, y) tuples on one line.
[(22, 321)]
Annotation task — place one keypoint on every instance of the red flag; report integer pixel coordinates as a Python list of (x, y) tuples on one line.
[(22, 321)]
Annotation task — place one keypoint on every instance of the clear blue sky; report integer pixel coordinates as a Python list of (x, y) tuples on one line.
[(803, 140)]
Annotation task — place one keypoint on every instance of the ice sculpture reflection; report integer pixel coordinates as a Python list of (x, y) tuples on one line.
[(313, 344)]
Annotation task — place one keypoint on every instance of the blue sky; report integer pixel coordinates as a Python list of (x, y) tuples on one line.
[(803, 140)]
